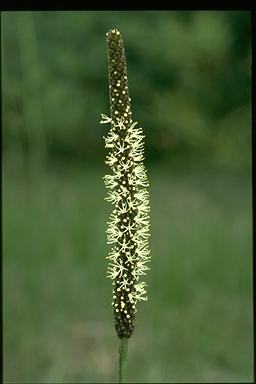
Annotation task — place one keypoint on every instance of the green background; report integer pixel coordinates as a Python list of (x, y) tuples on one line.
[(189, 79)]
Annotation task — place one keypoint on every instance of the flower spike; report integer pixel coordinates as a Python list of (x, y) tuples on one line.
[(128, 226)]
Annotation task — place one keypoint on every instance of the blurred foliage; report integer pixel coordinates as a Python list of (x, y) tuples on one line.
[(189, 79)]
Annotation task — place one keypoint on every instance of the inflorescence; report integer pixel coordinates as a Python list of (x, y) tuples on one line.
[(128, 227)]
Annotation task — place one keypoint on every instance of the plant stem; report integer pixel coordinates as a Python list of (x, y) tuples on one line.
[(123, 359)]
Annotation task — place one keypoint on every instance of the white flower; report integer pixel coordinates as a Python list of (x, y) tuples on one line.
[(105, 119), (128, 226)]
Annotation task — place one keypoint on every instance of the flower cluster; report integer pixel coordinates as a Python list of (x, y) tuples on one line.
[(128, 226)]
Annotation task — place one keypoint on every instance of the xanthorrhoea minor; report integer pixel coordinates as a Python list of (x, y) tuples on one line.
[(128, 227)]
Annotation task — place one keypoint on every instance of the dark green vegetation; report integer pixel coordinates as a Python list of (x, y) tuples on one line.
[(189, 79)]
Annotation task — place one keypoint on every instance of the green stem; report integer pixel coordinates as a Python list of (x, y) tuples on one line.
[(122, 359)]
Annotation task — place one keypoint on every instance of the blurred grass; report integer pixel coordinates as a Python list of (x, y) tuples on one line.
[(197, 324)]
